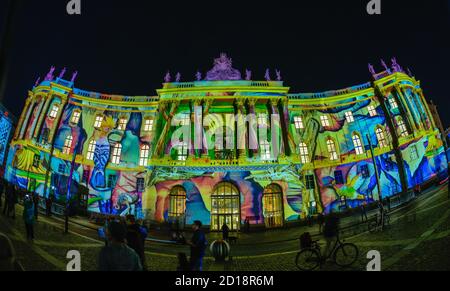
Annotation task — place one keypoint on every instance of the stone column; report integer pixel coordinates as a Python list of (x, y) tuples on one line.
[(22, 118), (27, 118), (253, 135), (42, 116), (241, 132), (278, 139)]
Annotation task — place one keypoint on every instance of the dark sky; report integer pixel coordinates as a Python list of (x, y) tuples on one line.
[(126, 47)]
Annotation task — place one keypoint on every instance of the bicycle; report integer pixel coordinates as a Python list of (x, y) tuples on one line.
[(375, 223), (343, 255)]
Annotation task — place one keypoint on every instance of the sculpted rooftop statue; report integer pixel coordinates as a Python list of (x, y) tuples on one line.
[(223, 70)]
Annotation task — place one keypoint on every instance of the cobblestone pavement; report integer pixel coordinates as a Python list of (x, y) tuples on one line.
[(416, 239)]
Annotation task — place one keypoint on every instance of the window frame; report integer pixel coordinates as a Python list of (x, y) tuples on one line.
[(116, 154)]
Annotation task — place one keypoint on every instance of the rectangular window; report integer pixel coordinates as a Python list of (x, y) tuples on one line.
[(183, 151), (75, 117), (98, 121), (349, 116), (112, 181), (148, 125), (62, 168), (414, 155), (85, 176), (140, 185), (364, 171), (265, 151), (262, 119), (36, 160), (54, 111), (122, 124), (324, 121), (393, 103), (185, 119), (372, 110), (298, 121), (309, 181), (45, 134), (338, 177)]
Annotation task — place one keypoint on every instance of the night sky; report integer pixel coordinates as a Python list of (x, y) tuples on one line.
[(126, 47)]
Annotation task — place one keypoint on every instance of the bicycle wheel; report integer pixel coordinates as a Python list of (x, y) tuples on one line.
[(307, 259), (346, 254)]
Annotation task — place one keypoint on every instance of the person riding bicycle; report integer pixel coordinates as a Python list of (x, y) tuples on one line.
[(330, 231)]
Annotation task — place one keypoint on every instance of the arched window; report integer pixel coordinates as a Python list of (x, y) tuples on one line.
[(54, 111), (67, 145), (98, 121), (402, 130), (75, 117), (265, 150), (91, 150), (145, 153), (225, 207), (116, 153), (304, 155), (381, 137), (273, 206), (359, 150), (177, 205), (331, 146)]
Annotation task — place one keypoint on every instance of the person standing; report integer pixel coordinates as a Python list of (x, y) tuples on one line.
[(320, 221), (330, 231), (363, 212), (36, 204), (135, 239), (2, 188), (198, 246), (225, 232), (48, 205), (117, 256), (29, 217)]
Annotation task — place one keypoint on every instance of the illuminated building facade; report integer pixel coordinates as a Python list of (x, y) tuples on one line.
[(121, 148), (7, 121)]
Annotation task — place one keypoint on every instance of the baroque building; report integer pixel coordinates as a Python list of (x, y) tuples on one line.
[(244, 149)]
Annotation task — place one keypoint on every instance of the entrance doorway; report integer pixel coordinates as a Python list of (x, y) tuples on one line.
[(225, 207), (273, 206)]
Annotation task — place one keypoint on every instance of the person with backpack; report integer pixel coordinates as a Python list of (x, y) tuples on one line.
[(29, 217), (198, 245)]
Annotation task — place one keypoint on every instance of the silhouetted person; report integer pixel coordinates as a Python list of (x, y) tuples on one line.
[(36, 204), (247, 224), (2, 189), (363, 212), (135, 239), (330, 231), (117, 256), (198, 246), (48, 205), (320, 221), (183, 263), (29, 216), (225, 232)]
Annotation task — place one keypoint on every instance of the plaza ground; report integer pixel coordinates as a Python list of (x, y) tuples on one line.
[(417, 239)]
